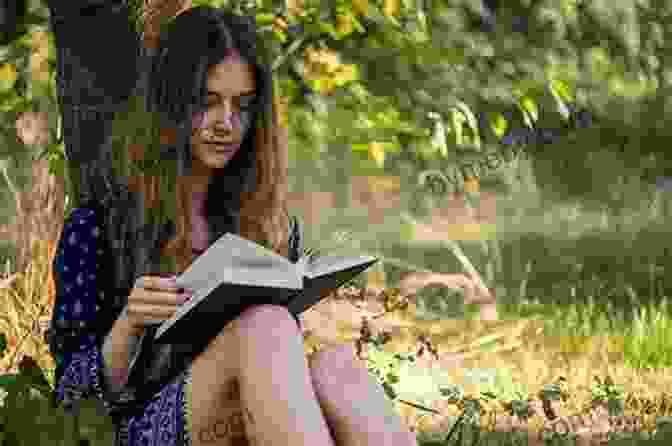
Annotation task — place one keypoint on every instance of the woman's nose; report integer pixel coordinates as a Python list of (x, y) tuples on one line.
[(224, 118)]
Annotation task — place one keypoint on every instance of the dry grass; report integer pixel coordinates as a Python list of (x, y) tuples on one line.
[(28, 295), (26, 304), (520, 348)]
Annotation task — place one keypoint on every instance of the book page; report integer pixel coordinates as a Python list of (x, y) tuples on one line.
[(237, 260), (234, 260), (325, 265), (321, 286)]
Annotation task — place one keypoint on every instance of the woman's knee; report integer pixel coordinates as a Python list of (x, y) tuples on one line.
[(335, 362), (268, 320)]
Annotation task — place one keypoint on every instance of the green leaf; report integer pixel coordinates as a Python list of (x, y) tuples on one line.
[(456, 119), (264, 19), (471, 120), (562, 106), (406, 231), (8, 76), (529, 107), (561, 88), (328, 28), (499, 124), (359, 91), (363, 165), (9, 101), (438, 142), (3, 344), (57, 166), (279, 35)]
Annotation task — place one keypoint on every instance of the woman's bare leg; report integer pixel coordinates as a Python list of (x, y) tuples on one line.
[(355, 405), (215, 404), (276, 389)]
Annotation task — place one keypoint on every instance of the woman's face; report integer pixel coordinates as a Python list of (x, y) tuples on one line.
[(219, 131)]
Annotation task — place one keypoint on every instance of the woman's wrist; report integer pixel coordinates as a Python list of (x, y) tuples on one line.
[(127, 326), (134, 330)]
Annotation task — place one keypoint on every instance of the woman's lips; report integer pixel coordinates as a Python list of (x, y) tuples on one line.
[(224, 148)]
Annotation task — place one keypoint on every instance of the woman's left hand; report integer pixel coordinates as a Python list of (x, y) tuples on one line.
[(474, 290)]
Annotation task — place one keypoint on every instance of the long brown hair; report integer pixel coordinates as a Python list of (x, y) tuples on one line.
[(163, 185)]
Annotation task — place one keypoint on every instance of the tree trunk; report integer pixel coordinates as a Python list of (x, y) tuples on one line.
[(38, 214), (90, 83), (155, 12)]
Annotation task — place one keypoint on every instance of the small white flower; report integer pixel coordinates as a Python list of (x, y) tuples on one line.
[(78, 308)]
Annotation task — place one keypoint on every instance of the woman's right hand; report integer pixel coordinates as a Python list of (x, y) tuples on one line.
[(153, 300)]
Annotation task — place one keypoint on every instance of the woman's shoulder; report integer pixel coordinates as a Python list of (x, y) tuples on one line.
[(82, 215)]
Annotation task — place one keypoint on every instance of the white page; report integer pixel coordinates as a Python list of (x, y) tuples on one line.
[(232, 259), (233, 252), (324, 265)]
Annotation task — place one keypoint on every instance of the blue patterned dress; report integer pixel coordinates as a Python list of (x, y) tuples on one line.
[(82, 368)]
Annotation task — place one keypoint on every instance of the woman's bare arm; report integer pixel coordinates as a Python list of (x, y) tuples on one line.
[(121, 345)]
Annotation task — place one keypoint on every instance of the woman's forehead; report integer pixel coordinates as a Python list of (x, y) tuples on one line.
[(233, 75)]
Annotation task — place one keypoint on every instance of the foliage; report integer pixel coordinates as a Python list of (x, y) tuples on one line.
[(570, 91), (504, 75)]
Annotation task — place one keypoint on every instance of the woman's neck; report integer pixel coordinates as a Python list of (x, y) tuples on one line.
[(200, 177), (199, 185)]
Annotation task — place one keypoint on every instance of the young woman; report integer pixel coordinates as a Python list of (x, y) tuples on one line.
[(220, 167)]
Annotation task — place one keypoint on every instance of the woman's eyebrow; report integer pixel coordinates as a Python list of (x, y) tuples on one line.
[(243, 93)]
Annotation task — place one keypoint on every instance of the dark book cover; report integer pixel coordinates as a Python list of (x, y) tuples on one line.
[(231, 276)]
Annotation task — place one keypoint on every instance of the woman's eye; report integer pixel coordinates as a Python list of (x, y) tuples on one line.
[(247, 101), (243, 102)]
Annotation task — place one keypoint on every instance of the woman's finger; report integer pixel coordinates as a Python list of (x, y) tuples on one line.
[(159, 298), (469, 290), (152, 311), (482, 294), (157, 283)]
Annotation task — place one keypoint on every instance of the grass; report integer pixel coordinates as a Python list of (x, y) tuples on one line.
[(531, 345), (25, 305)]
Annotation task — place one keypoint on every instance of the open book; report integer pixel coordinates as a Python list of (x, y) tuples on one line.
[(230, 276), (236, 273)]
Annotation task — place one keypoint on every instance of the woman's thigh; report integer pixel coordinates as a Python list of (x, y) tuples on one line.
[(217, 415), (213, 397), (276, 387)]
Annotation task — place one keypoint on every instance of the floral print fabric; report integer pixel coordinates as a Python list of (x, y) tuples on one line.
[(76, 264)]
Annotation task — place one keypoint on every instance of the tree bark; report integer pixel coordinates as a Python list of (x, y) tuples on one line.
[(156, 11), (35, 211), (91, 83)]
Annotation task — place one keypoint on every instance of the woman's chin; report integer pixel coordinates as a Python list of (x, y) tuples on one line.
[(218, 162)]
